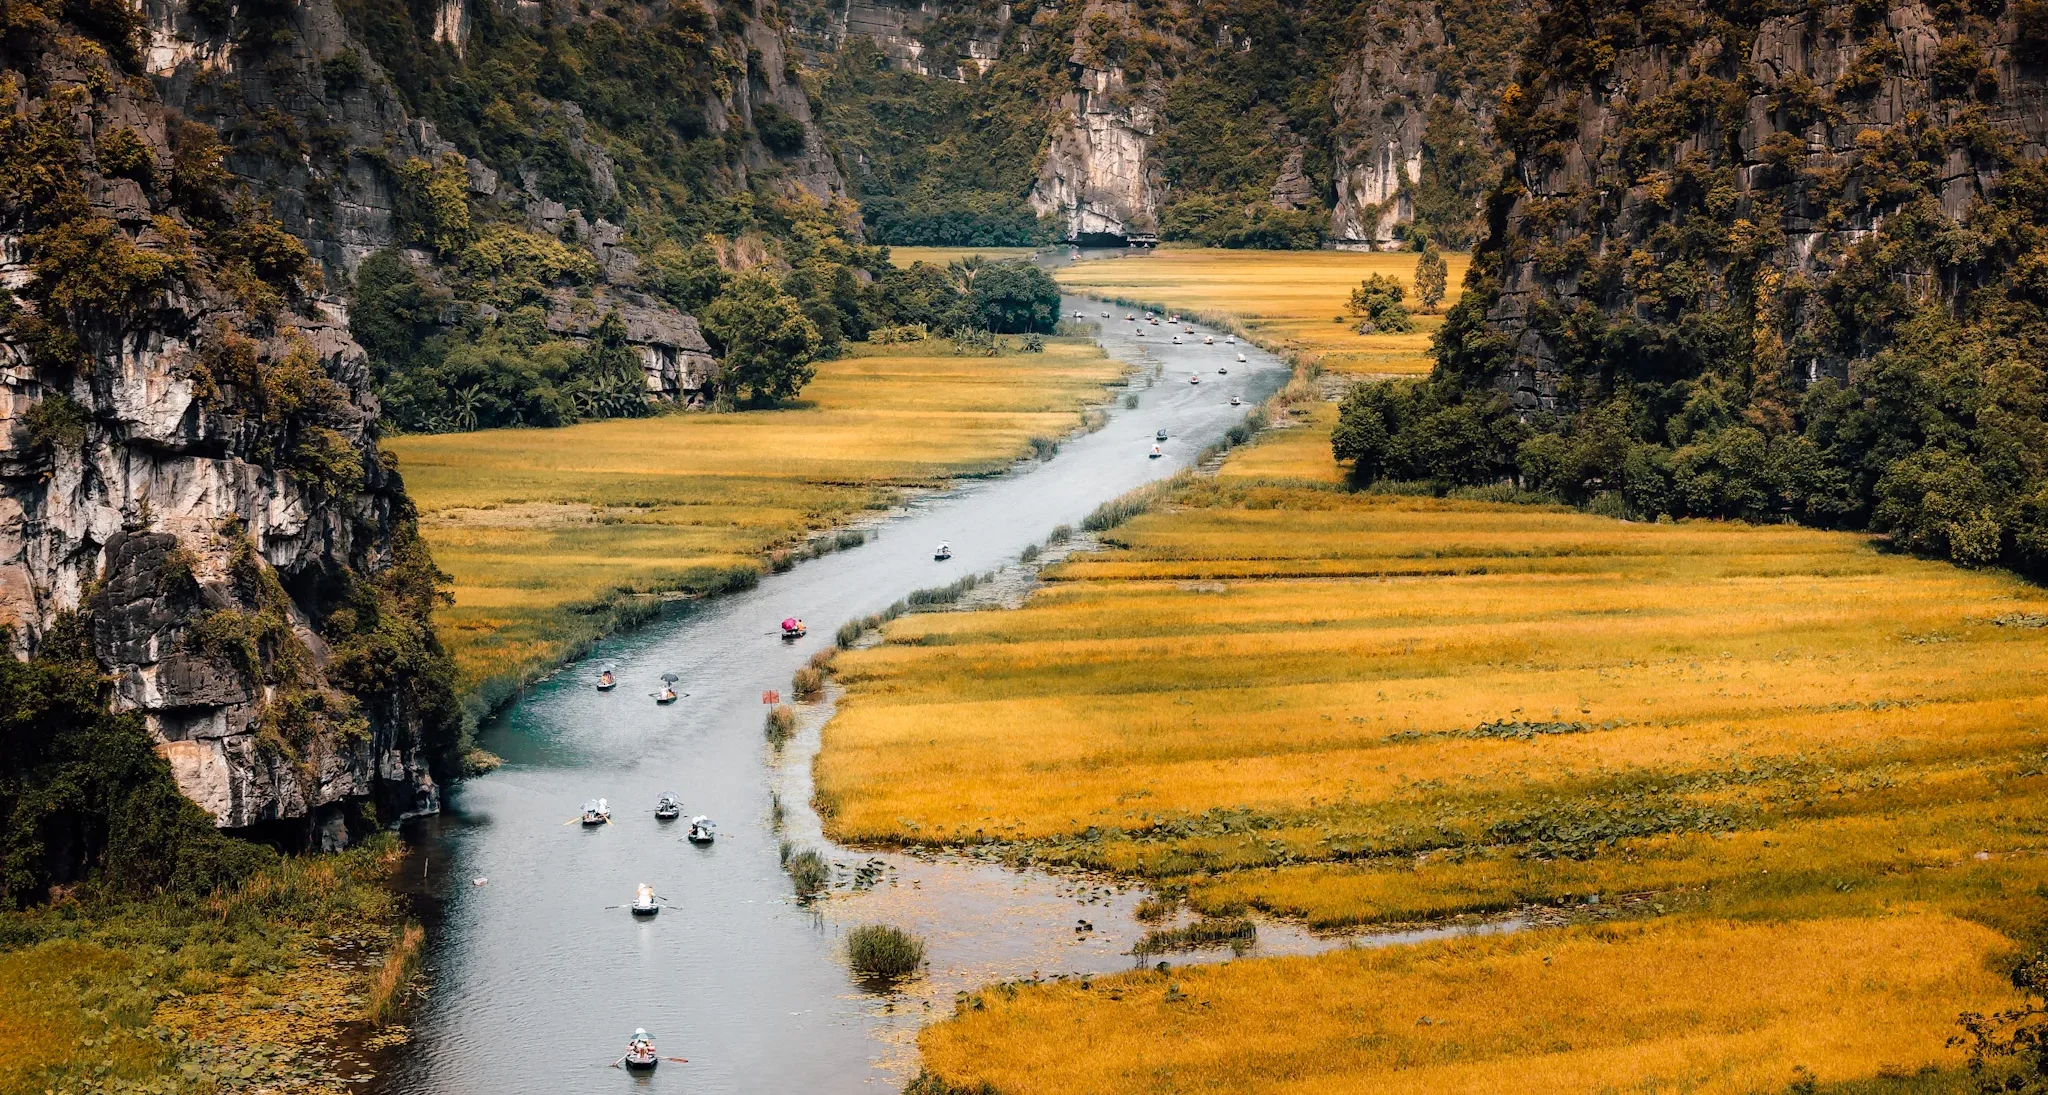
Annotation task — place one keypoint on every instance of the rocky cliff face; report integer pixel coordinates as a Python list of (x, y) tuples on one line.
[(1718, 167), (341, 195), (189, 483), (1099, 177)]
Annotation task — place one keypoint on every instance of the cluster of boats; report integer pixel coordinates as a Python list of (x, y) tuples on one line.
[(640, 1052), (608, 679)]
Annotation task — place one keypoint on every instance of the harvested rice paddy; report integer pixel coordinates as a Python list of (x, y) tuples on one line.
[(552, 535), (1775, 795), (1289, 301)]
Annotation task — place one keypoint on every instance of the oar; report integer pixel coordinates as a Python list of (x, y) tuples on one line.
[(678, 1060)]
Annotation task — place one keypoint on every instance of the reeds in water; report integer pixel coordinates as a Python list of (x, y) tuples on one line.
[(808, 871), (781, 724), (386, 1000), (1208, 932), (883, 952)]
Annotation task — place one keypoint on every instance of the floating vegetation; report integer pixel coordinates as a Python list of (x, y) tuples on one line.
[(780, 724)]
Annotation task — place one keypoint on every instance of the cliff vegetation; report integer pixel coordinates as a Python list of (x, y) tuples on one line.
[(1758, 265)]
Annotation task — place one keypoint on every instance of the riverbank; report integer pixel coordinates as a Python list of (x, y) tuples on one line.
[(269, 986), (555, 538), (1772, 782), (1292, 303)]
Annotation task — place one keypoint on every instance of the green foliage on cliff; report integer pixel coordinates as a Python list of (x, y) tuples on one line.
[(1691, 365), (83, 793), (935, 162)]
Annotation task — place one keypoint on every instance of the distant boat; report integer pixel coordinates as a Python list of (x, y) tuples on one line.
[(606, 681), (669, 808), (793, 628), (1208, 340), (1195, 378), (702, 830), (597, 812), (1223, 370), (1240, 357), (644, 901), (1160, 436), (1234, 401), (943, 552), (640, 1053), (1156, 454), (1176, 340), (1230, 340)]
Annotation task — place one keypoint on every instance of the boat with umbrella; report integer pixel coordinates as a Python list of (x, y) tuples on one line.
[(793, 629), (702, 830), (943, 552), (641, 1055), (596, 812), (668, 694), (670, 807)]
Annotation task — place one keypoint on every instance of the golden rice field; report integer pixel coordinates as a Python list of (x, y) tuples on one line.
[(1288, 301), (942, 256), (1803, 777), (549, 533)]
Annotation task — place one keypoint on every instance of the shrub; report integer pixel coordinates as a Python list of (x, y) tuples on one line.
[(781, 724), (1377, 302), (883, 952), (807, 683), (121, 153), (779, 130), (848, 634), (57, 421)]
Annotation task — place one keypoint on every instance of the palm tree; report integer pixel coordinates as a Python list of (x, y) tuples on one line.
[(964, 270)]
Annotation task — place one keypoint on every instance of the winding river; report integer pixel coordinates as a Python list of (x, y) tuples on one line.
[(537, 978)]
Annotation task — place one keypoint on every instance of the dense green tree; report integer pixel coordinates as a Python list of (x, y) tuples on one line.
[(767, 343), (1014, 297)]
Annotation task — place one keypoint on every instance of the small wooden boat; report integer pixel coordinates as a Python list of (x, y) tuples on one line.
[(702, 830), (1234, 401), (665, 697), (606, 681), (1240, 357), (943, 552), (669, 808), (1160, 436), (597, 812), (793, 629), (640, 1054), (1195, 378), (1156, 454), (644, 901), (1176, 340), (1223, 370), (1230, 340), (1208, 340)]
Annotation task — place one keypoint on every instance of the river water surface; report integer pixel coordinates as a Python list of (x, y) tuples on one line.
[(536, 983)]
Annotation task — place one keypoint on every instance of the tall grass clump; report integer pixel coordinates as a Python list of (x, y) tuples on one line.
[(1131, 504), (807, 683), (1060, 534), (1131, 402), (848, 634), (1030, 552), (385, 1000), (808, 871), (883, 952), (781, 724), (1209, 932), (1044, 448), (937, 595)]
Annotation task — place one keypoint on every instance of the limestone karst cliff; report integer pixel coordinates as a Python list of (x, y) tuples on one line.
[(1764, 263), (190, 485), (1240, 124)]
